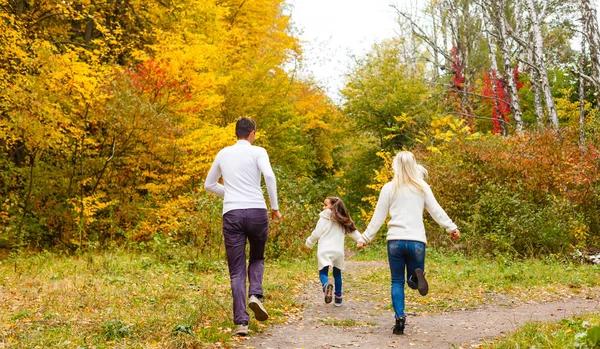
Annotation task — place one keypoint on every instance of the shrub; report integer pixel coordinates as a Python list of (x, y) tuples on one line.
[(530, 194)]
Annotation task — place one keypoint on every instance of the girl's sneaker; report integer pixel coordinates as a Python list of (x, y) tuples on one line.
[(338, 301), (328, 290)]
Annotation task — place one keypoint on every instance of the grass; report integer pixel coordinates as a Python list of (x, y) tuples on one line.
[(576, 332), (174, 298), (125, 299)]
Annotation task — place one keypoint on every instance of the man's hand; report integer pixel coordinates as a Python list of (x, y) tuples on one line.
[(276, 216), (360, 245), (455, 235)]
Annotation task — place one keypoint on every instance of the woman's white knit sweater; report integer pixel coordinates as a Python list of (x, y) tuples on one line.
[(330, 236), (405, 207)]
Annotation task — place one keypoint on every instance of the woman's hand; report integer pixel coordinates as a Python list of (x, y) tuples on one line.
[(360, 245), (455, 235)]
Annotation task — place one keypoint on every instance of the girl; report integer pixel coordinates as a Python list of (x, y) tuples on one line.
[(404, 199), (333, 225)]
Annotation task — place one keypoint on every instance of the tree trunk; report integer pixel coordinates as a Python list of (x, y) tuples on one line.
[(582, 98), (530, 59), (515, 104), (591, 32), (536, 31), (436, 60), (535, 85), (493, 77)]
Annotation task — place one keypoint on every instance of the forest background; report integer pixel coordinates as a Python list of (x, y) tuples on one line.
[(111, 114)]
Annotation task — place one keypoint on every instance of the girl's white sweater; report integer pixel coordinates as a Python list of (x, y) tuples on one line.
[(405, 207), (330, 236)]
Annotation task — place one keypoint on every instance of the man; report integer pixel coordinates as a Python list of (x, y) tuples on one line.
[(245, 217)]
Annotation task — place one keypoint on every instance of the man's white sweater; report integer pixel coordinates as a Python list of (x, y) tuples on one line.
[(405, 207), (240, 165)]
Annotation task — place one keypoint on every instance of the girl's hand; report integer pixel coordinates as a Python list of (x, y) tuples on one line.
[(360, 245), (455, 235)]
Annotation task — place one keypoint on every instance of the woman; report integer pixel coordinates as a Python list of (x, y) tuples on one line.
[(404, 199)]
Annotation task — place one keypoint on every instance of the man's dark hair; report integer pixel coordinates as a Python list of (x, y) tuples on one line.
[(243, 127)]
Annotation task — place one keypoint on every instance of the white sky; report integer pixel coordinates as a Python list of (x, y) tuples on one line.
[(334, 31)]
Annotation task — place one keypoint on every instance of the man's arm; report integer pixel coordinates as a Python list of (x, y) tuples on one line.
[(265, 168), (211, 184), (264, 165)]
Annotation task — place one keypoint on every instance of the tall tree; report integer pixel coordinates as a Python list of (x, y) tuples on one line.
[(542, 71), (497, 11), (592, 34)]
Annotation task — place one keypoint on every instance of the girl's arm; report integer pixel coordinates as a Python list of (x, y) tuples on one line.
[(381, 212), (437, 213), (355, 235), (320, 229)]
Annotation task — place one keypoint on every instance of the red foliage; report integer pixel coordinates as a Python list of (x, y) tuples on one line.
[(499, 100), (457, 88), (457, 68), (151, 77), (517, 80)]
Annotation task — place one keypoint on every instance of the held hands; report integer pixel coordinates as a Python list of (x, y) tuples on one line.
[(276, 216), (360, 245), (454, 235)]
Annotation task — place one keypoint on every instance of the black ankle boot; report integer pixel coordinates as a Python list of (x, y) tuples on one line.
[(399, 327)]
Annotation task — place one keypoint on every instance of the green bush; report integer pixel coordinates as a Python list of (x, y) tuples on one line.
[(505, 221)]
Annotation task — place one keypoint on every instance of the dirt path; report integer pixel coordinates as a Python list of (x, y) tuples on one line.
[(367, 325)]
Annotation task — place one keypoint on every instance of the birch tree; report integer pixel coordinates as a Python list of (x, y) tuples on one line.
[(522, 37), (498, 11), (591, 33), (538, 45), (582, 98), (494, 70)]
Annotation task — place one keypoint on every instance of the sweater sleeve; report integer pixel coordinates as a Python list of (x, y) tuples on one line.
[(267, 171), (320, 229), (355, 235), (437, 213), (211, 184), (381, 212)]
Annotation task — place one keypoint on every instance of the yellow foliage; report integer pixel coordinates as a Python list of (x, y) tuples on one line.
[(569, 110), (382, 176), (445, 129), (89, 206)]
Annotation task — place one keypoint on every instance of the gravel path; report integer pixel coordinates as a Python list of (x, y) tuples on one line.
[(360, 324)]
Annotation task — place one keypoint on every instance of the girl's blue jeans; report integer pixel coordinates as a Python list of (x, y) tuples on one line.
[(404, 257), (337, 277)]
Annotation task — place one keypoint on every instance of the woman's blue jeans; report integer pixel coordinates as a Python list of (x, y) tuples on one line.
[(404, 257), (337, 277)]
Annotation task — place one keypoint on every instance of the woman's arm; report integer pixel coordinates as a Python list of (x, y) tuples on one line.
[(381, 212), (437, 213)]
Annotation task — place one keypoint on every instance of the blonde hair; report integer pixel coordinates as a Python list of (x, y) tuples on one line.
[(407, 173)]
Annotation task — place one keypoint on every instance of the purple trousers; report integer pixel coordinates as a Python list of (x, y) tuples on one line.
[(239, 225)]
